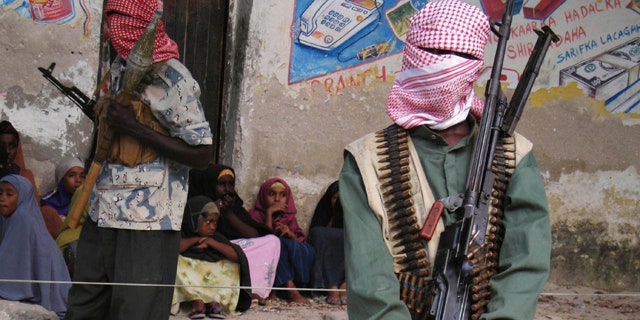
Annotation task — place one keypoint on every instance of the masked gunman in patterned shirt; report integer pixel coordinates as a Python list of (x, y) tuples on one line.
[(132, 230)]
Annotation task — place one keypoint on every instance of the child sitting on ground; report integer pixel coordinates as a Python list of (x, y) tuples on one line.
[(210, 268)]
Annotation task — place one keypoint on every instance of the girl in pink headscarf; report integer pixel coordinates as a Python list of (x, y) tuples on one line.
[(275, 208)]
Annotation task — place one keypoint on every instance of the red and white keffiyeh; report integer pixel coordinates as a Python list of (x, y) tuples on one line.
[(437, 89), (128, 19)]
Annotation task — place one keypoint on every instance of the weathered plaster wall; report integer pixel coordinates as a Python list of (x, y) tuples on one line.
[(587, 155), (589, 161), (51, 126)]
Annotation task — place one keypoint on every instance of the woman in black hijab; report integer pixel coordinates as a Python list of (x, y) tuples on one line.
[(260, 246), (327, 237)]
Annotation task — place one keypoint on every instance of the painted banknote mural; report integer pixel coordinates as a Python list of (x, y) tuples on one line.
[(599, 49), (51, 11)]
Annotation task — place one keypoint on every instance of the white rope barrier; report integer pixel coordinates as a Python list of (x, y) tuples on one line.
[(131, 284), (631, 294), (634, 295)]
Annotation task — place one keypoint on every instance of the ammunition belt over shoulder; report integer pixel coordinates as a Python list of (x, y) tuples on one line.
[(410, 254)]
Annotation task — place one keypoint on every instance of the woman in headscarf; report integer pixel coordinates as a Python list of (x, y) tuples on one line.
[(260, 246), (275, 208), (13, 158), (9, 149), (28, 252), (326, 234), (12, 162), (210, 268), (69, 175)]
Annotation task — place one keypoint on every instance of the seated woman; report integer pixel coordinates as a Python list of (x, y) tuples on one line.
[(262, 248), (9, 149), (275, 208), (210, 268), (326, 234), (27, 250), (69, 175), (13, 162)]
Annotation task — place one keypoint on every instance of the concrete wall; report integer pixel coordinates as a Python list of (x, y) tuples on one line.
[(51, 126), (587, 154), (297, 129)]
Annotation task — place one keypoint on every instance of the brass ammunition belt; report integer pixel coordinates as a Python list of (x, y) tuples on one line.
[(410, 253), (484, 260), (409, 250)]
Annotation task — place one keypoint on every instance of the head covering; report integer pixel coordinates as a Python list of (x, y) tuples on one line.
[(288, 218), (195, 206), (325, 211), (203, 183), (65, 165), (7, 127), (450, 25), (25, 241), (59, 198), (226, 172), (128, 19), (18, 163), (437, 89)]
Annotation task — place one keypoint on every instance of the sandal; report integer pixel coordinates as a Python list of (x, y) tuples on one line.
[(197, 312), (215, 311)]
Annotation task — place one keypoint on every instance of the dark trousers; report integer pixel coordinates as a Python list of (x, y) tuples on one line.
[(328, 266), (296, 261), (123, 256)]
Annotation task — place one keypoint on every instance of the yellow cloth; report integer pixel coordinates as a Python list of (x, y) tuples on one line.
[(211, 281), (67, 234)]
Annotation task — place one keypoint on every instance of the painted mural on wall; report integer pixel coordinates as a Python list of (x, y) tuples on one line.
[(51, 11), (599, 48), (338, 34)]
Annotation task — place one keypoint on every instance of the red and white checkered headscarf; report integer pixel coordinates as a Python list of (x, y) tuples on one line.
[(128, 19), (437, 89)]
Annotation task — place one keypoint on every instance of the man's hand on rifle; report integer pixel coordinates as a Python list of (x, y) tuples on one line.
[(122, 119)]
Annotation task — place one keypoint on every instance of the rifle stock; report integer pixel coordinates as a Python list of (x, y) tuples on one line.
[(454, 272)]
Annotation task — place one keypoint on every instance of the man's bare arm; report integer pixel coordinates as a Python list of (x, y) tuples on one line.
[(122, 119)]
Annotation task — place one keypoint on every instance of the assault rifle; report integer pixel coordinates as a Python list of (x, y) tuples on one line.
[(78, 97), (454, 271)]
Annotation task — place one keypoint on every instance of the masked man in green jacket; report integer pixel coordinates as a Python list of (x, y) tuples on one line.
[(435, 115)]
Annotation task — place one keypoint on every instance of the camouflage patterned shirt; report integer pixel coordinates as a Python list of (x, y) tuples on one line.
[(151, 195)]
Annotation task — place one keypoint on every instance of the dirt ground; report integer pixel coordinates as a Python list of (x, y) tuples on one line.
[(556, 302), (582, 303)]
